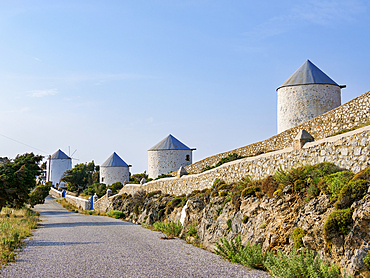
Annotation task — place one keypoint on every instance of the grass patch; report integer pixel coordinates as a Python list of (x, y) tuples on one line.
[(294, 265), (14, 227), (171, 229), (116, 214)]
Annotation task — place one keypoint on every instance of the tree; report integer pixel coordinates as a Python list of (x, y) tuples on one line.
[(18, 178), (38, 195), (79, 177)]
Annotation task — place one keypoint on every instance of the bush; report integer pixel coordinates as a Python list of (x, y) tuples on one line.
[(337, 224), (38, 195), (250, 255), (163, 176), (229, 158), (171, 229), (269, 186), (297, 235), (334, 183), (192, 230), (351, 192), (301, 264), (250, 191), (367, 260), (99, 188), (116, 214)]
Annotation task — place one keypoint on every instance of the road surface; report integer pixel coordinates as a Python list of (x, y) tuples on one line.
[(68, 244)]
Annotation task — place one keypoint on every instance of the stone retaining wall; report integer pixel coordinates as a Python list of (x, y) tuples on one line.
[(346, 116), (350, 150), (103, 203), (78, 202), (55, 193)]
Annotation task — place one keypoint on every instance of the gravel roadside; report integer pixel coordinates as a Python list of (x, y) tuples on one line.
[(74, 245)]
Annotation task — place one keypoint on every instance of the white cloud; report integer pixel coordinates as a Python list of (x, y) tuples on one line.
[(37, 59), (42, 93), (150, 120), (22, 110)]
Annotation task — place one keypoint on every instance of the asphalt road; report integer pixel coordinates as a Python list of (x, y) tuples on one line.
[(68, 244)]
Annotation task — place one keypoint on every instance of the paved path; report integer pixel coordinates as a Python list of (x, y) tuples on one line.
[(74, 245)]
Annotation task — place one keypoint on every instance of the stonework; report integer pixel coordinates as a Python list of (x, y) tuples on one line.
[(346, 116), (298, 104), (165, 161), (350, 150), (110, 175)]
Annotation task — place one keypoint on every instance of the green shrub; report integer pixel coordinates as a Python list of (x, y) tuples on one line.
[(229, 222), (245, 219), (250, 255), (116, 214), (171, 229), (250, 191), (206, 168), (302, 264), (337, 224), (334, 183), (192, 230), (367, 260), (229, 158), (351, 192), (297, 235)]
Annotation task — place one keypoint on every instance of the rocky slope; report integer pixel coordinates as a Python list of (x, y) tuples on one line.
[(288, 217)]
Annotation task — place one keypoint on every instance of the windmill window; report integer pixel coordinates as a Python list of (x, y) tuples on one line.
[(187, 158), (102, 179)]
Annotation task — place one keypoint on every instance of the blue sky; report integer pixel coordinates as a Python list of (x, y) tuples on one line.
[(105, 76)]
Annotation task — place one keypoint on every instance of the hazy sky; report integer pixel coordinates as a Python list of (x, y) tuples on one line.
[(105, 76)]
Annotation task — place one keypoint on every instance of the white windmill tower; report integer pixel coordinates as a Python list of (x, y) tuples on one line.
[(56, 166)]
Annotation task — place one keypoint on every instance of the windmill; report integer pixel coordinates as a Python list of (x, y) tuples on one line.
[(70, 155)]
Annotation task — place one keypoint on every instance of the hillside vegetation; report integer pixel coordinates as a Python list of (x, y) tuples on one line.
[(321, 208)]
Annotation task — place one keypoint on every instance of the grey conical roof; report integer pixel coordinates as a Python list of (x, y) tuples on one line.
[(308, 73), (114, 161), (59, 155), (169, 143)]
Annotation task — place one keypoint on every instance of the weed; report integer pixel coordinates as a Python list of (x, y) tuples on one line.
[(171, 229), (13, 228), (299, 264), (297, 235), (334, 183), (116, 214), (367, 260), (250, 255), (337, 224), (192, 230), (250, 191), (351, 192), (229, 224)]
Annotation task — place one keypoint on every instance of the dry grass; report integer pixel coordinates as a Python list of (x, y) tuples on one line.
[(15, 225)]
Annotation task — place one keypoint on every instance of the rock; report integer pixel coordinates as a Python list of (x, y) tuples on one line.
[(356, 262), (143, 180), (309, 242)]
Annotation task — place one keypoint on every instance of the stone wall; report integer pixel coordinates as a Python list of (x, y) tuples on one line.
[(103, 203), (78, 202), (346, 116), (350, 150), (55, 193)]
